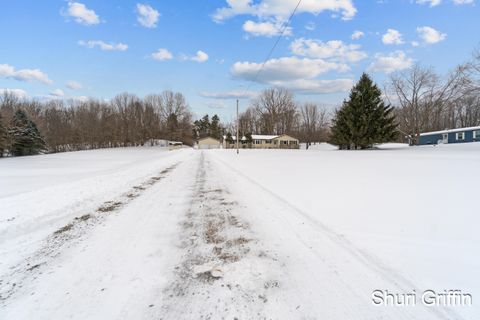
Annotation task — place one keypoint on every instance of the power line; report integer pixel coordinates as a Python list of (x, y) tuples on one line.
[(274, 46), (265, 62)]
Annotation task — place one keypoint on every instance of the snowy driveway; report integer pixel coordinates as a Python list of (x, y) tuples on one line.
[(193, 235)]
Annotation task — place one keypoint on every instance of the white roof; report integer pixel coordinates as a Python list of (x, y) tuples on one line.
[(450, 131), (263, 137), (254, 137)]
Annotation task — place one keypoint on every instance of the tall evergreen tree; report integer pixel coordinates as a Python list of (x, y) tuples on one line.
[(25, 136), (215, 130), (3, 137), (202, 126), (364, 119)]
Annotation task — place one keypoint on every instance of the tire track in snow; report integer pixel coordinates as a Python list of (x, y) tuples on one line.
[(223, 274), (68, 236), (368, 260)]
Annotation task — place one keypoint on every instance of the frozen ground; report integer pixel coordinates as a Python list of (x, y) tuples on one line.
[(150, 234)]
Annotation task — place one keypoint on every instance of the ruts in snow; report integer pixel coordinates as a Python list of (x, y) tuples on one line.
[(223, 273)]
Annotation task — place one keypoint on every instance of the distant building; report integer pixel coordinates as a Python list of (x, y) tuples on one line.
[(172, 145), (209, 143), (264, 142), (461, 135)]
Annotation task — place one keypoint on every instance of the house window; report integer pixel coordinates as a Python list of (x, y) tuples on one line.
[(476, 134), (257, 141), (285, 142), (460, 135), (268, 141)]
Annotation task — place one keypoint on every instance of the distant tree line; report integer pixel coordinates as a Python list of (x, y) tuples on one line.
[(124, 121), (275, 111)]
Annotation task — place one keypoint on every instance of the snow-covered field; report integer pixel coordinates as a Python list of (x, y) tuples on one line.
[(144, 233)]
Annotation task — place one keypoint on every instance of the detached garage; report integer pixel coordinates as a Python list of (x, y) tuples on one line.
[(209, 143)]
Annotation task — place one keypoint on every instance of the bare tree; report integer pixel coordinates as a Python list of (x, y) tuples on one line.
[(277, 110), (424, 99), (124, 121), (310, 122)]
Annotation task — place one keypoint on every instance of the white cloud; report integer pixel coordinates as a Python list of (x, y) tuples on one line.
[(357, 35), (304, 86), (74, 85), (9, 72), (19, 93), (294, 73), (285, 69), (432, 3), (147, 16), (103, 45), (236, 94), (334, 50), (312, 86), (392, 37), (283, 8), (200, 57), (57, 93), (392, 62), (81, 14), (460, 2), (430, 35), (162, 55), (268, 29)]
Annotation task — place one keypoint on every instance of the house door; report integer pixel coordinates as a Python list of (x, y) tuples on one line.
[(445, 138)]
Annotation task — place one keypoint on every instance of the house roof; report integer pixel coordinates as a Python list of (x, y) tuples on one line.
[(450, 131), (259, 137), (263, 137), (255, 137), (286, 135)]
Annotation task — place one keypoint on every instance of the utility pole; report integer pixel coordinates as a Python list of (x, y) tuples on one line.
[(238, 122)]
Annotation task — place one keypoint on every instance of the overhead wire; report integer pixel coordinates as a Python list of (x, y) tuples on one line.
[(284, 28)]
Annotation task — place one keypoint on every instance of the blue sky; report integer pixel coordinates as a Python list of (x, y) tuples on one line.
[(211, 49)]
